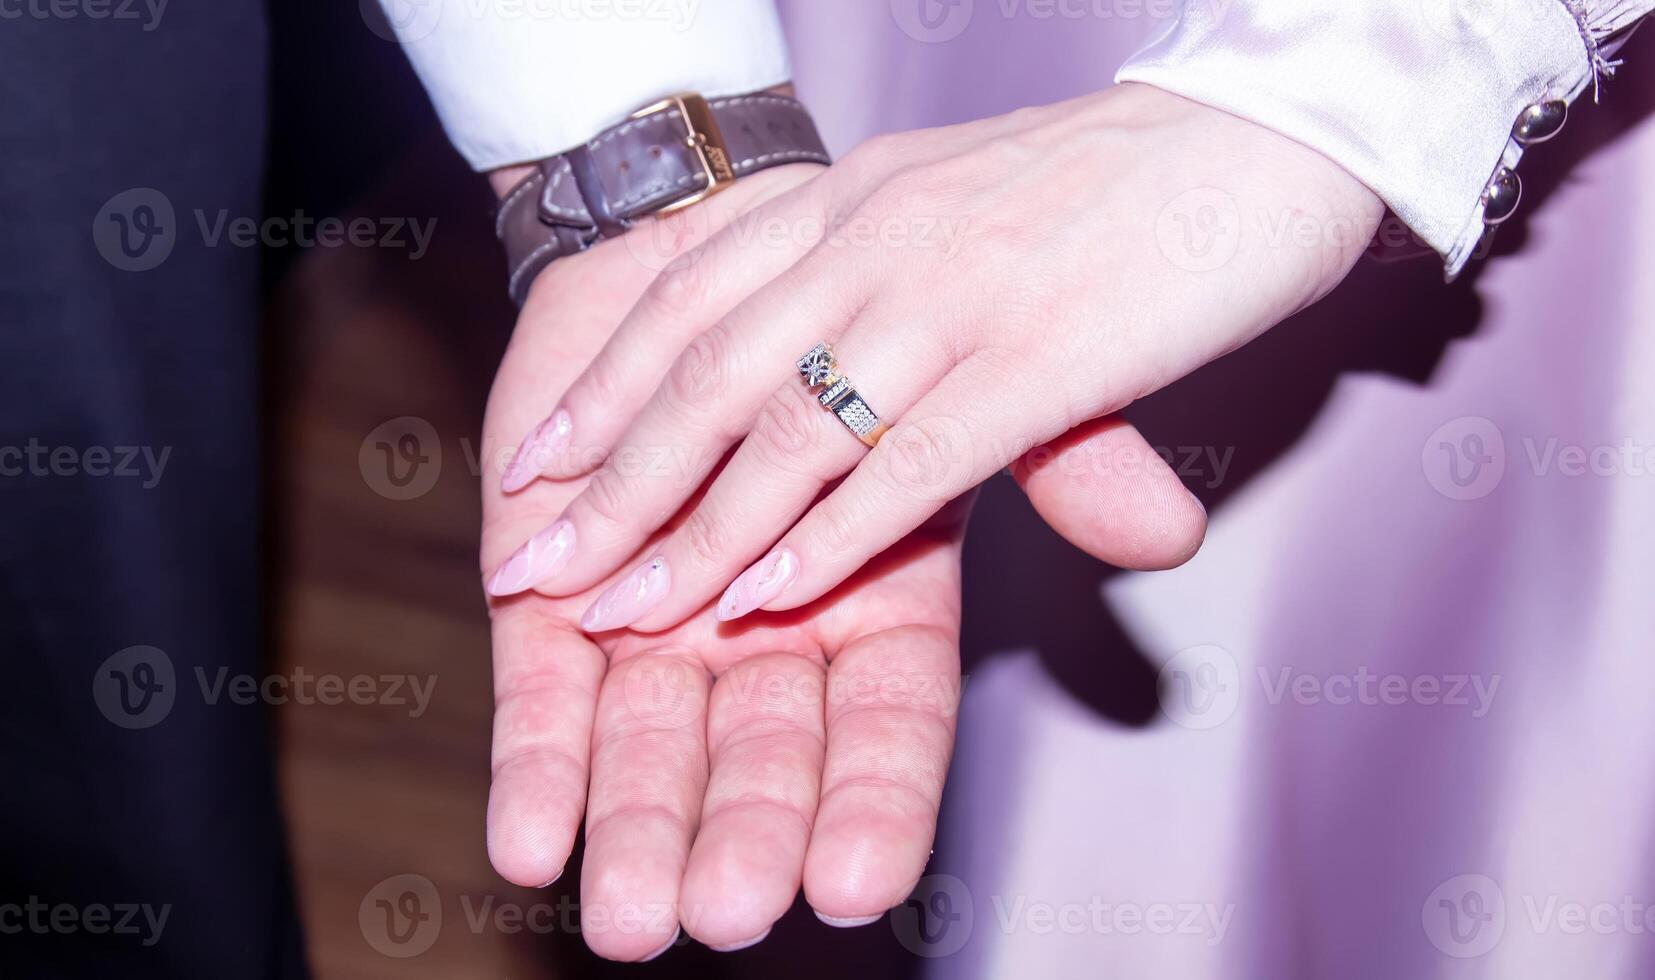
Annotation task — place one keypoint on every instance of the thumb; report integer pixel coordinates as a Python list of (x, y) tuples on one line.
[(1103, 488)]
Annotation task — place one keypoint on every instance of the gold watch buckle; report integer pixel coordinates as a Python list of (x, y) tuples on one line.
[(701, 135)]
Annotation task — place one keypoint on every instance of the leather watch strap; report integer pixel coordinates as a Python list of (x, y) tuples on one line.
[(666, 156)]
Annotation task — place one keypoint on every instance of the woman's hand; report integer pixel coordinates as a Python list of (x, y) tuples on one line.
[(717, 770), (986, 288), (720, 768)]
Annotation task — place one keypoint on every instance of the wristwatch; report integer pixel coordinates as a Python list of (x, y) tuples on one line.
[(665, 157)]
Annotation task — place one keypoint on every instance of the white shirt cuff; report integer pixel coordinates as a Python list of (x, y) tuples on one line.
[(1416, 98), (520, 80)]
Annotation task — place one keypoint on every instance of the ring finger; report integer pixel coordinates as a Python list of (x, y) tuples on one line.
[(795, 449)]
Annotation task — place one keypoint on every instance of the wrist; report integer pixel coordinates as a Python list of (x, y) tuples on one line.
[(503, 179), (665, 159), (1239, 195)]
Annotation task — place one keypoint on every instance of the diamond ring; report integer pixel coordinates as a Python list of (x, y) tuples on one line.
[(820, 369)]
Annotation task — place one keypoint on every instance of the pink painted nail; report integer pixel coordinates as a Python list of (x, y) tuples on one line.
[(630, 599), (543, 556), (538, 452), (759, 584)]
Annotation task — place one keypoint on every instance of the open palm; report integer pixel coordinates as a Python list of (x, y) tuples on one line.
[(718, 767)]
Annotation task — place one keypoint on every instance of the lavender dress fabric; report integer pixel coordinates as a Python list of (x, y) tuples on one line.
[(1395, 720)]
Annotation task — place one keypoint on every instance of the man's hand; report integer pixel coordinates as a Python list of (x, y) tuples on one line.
[(1102, 248), (720, 767)]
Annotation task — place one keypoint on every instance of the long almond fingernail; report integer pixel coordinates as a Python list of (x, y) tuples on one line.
[(539, 452), (759, 584), (630, 599), (541, 557)]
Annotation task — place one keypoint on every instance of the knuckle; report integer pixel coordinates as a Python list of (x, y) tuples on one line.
[(832, 532), (915, 191), (684, 286), (603, 386), (924, 460), (605, 497), (998, 251), (874, 153), (701, 373), (703, 538), (1032, 301), (786, 428)]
